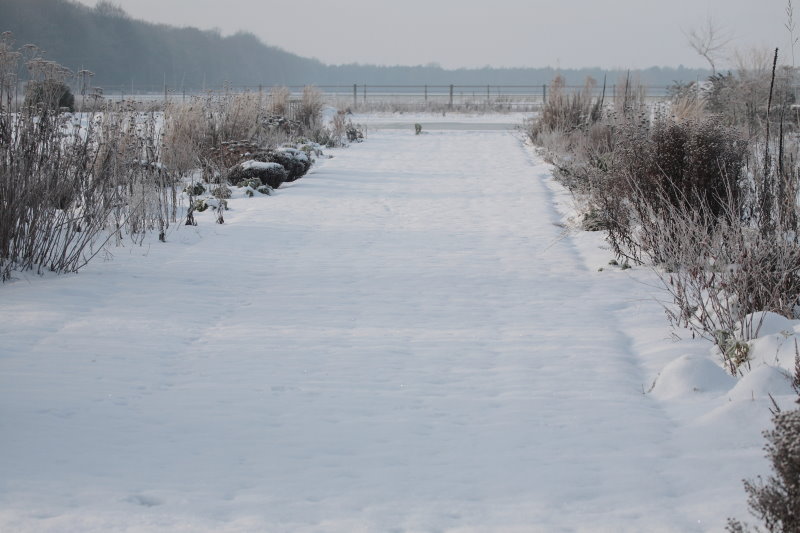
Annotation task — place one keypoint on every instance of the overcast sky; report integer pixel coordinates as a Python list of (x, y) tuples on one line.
[(476, 33)]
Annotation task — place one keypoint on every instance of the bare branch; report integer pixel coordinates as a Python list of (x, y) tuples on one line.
[(709, 41)]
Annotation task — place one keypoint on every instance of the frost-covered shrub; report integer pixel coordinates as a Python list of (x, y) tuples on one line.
[(309, 112), (293, 160), (564, 111), (694, 161), (691, 160), (325, 137), (253, 183), (195, 189), (743, 97), (50, 94), (282, 126), (311, 149), (69, 185), (279, 101), (200, 205), (776, 501), (718, 270), (217, 204), (341, 131), (221, 192), (355, 132), (268, 173), (593, 220), (271, 167), (682, 190), (261, 189), (661, 165), (215, 131)]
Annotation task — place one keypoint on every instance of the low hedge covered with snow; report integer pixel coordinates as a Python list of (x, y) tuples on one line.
[(268, 173), (271, 167), (293, 160)]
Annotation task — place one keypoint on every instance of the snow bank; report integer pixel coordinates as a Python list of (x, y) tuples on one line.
[(761, 382), (769, 323), (692, 374)]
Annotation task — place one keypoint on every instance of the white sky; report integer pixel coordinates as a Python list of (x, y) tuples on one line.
[(476, 33)]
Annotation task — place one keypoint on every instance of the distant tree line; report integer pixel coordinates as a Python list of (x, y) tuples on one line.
[(124, 52)]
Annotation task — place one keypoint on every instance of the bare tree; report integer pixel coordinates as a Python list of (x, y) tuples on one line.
[(708, 40)]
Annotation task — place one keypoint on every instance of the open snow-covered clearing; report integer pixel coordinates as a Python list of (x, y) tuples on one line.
[(406, 339)]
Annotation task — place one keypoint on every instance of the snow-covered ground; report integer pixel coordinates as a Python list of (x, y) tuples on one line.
[(407, 339)]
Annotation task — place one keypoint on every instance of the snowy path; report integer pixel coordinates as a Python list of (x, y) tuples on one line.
[(401, 341)]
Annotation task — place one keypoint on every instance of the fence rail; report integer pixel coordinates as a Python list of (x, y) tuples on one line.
[(360, 95), (364, 96)]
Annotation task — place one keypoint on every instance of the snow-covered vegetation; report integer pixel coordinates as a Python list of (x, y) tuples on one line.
[(424, 334), (704, 190), (73, 182), (407, 338), (681, 187)]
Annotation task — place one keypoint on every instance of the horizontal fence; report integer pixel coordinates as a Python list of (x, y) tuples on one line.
[(365, 97), (360, 96)]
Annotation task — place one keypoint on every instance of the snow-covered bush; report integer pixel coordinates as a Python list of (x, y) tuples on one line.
[(253, 183), (195, 189), (718, 274), (341, 131), (355, 133), (70, 180), (218, 131), (311, 149), (294, 161), (268, 173), (222, 192), (217, 204), (338, 128)]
